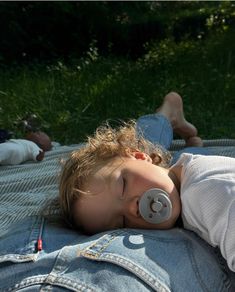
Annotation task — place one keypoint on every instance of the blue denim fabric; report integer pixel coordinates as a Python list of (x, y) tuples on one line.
[(192, 150), (156, 128), (120, 260)]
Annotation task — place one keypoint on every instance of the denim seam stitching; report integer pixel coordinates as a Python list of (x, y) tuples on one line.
[(131, 267), (99, 245), (57, 281)]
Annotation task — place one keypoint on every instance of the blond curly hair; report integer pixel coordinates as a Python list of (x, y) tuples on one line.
[(107, 143)]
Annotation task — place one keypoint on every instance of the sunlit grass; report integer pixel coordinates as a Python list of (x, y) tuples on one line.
[(72, 100)]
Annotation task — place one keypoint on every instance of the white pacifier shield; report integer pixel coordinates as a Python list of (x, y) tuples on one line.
[(155, 206)]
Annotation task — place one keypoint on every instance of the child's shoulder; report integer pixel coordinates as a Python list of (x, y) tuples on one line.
[(198, 167), (186, 158)]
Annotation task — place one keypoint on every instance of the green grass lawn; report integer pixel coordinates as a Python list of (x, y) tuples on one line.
[(72, 100)]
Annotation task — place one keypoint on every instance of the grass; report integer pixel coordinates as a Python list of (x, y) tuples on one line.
[(72, 100)]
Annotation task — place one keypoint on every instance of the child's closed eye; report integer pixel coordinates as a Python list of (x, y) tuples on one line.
[(123, 186)]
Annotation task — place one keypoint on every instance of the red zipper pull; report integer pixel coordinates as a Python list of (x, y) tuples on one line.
[(39, 244)]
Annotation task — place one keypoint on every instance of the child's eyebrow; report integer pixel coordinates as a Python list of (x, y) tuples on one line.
[(111, 175)]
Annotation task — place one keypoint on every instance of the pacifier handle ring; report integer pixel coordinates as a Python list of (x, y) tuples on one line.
[(155, 206)]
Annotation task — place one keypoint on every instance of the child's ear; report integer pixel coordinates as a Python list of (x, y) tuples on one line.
[(141, 156)]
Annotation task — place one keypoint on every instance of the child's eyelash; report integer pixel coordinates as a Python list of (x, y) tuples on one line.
[(124, 185), (123, 191)]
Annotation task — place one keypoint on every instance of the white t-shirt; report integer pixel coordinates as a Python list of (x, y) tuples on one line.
[(208, 200), (16, 151)]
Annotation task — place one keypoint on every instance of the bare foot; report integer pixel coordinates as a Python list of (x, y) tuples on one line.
[(172, 108), (194, 142)]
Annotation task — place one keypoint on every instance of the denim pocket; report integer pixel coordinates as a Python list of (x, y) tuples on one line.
[(172, 260), (19, 244), (114, 248)]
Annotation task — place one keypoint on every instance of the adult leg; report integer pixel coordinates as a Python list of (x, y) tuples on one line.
[(158, 127)]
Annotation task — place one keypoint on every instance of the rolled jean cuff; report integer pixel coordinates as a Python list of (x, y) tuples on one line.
[(156, 128)]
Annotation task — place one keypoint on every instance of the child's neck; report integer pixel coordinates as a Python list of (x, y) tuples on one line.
[(174, 173)]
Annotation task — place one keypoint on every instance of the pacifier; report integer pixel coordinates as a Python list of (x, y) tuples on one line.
[(155, 206)]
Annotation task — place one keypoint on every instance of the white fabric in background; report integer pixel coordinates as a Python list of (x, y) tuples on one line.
[(16, 151)]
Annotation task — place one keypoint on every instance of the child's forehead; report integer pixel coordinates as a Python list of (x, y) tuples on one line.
[(108, 169), (103, 177)]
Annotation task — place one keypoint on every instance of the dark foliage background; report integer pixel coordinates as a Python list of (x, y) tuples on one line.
[(77, 63), (48, 30)]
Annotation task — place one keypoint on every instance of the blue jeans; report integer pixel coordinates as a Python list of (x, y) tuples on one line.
[(157, 129), (120, 260)]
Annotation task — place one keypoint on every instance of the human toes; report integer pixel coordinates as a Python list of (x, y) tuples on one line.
[(194, 142), (172, 94)]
